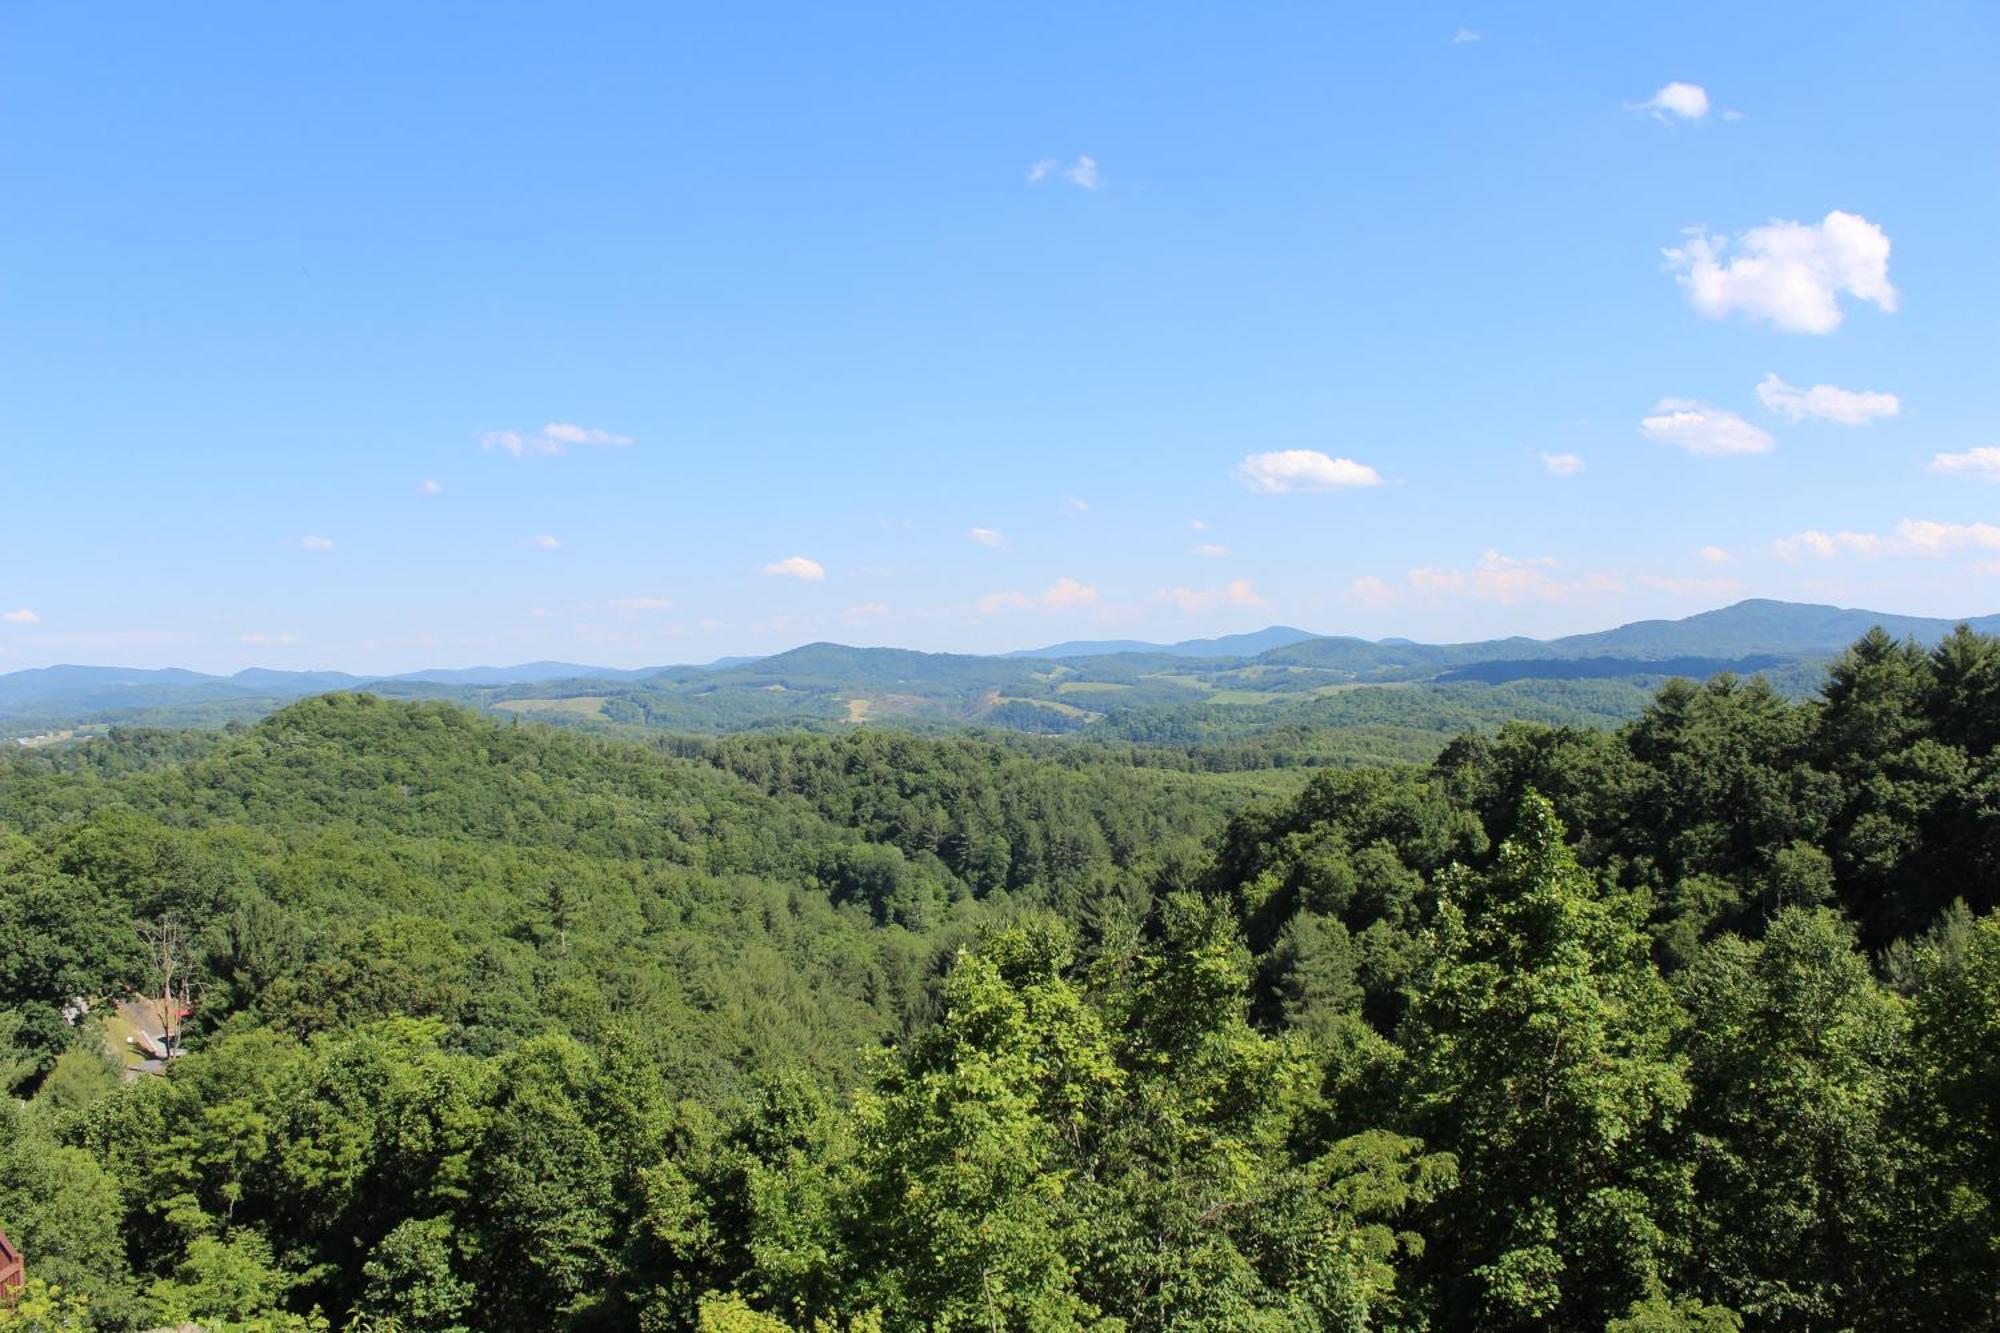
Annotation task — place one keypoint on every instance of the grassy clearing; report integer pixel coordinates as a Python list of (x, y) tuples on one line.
[(857, 709), (581, 705), (1054, 706), (1184, 681), (1091, 687)]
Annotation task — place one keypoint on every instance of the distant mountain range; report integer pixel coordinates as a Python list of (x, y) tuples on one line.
[(1229, 645), (1066, 685)]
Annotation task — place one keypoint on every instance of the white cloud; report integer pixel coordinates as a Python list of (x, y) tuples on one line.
[(1302, 470), (1823, 402), (797, 567), (1072, 505), (1562, 465), (316, 543), (1465, 36), (558, 437), (1983, 463), (1064, 594), (1198, 524), (1241, 593), (988, 537), (1507, 580), (1721, 586), (1438, 580), (1789, 274), (430, 487), (1194, 601), (1209, 549), (1922, 537), (1081, 173), (1068, 592), (1811, 542), (1715, 555), (1701, 429), (1238, 592), (1689, 101), (544, 541), (1371, 591), (641, 604), (260, 639), (1912, 537), (21, 616), (866, 611)]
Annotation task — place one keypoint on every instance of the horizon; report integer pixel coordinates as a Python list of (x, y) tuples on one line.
[(641, 667), (380, 338)]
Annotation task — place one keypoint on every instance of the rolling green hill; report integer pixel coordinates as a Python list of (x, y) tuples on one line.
[(1234, 688)]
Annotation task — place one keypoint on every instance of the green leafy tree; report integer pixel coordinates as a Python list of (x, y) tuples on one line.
[(961, 1221), (1540, 1038), (1794, 1053)]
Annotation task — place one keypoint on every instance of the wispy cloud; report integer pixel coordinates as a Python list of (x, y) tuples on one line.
[(1287, 470), (1064, 594), (1069, 592), (1194, 601), (1824, 402), (641, 604), (265, 639), (1916, 537), (1073, 506), (1082, 173), (1508, 580), (317, 543), (1714, 555), (544, 542), (992, 537), (429, 487), (1371, 591), (1465, 37), (1983, 463), (1209, 550), (1676, 101), (1562, 465), (1700, 429), (1788, 274), (21, 616), (1719, 586), (558, 437), (797, 567)]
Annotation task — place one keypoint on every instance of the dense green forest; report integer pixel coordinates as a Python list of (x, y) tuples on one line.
[(1690, 1024)]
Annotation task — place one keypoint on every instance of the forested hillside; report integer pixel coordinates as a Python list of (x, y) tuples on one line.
[(1690, 1024), (1361, 701)]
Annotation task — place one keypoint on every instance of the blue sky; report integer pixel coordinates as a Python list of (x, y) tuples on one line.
[(379, 336)]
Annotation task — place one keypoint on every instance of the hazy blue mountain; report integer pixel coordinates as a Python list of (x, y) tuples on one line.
[(1747, 629), (1067, 686), (39, 688), (1760, 625), (526, 673), (1229, 645), (266, 680)]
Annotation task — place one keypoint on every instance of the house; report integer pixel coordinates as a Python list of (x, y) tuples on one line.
[(13, 1271)]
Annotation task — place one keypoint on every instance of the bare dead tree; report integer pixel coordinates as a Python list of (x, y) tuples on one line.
[(170, 975)]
